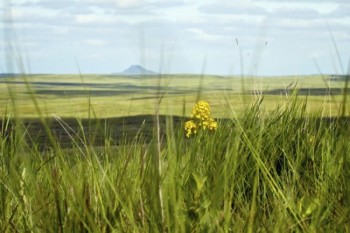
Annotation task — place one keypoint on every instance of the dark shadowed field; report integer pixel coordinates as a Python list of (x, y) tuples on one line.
[(70, 132)]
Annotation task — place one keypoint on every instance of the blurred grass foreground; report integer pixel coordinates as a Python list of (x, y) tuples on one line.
[(283, 168)]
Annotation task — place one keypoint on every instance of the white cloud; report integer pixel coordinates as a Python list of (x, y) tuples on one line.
[(116, 3), (342, 11), (95, 19), (296, 13), (303, 1), (52, 31), (232, 8), (201, 35), (95, 42), (50, 4), (321, 7)]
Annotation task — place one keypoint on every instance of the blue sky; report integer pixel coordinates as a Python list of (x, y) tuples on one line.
[(176, 36)]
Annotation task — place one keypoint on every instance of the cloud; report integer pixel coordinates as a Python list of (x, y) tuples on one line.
[(35, 14), (115, 3), (295, 13), (95, 42), (99, 32), (342, 11), (202, 35), (95, 20), (50, 4), (304, 1), (242, 8), (168, 3), (135, 3)]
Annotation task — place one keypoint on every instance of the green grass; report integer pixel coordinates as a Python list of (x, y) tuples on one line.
[(109, 96), (265, 169)]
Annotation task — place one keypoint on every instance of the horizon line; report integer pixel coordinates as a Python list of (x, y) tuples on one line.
[(158, 74)]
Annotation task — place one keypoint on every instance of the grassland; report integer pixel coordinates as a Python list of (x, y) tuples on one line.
[(278, 161), (110, 96)]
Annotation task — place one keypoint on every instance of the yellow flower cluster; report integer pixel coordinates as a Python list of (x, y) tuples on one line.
[(190, 127), (201, 119)]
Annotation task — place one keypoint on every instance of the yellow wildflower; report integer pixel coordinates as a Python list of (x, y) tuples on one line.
[(210, 123), (200, 119), (201, 110), (213, 125), (191, 128)]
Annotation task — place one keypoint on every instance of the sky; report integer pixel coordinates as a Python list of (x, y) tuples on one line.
[(223, 37)]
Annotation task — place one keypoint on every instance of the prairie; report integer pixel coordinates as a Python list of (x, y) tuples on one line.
[(112, 95), (102, 153)]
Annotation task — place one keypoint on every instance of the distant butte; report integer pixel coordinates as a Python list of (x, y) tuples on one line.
[(138, 70)]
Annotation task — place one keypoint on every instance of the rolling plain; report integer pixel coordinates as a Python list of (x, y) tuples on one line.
[(102, 96), (109, 153)]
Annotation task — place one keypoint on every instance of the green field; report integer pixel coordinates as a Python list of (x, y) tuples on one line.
[(110, 95), (99, 153)]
